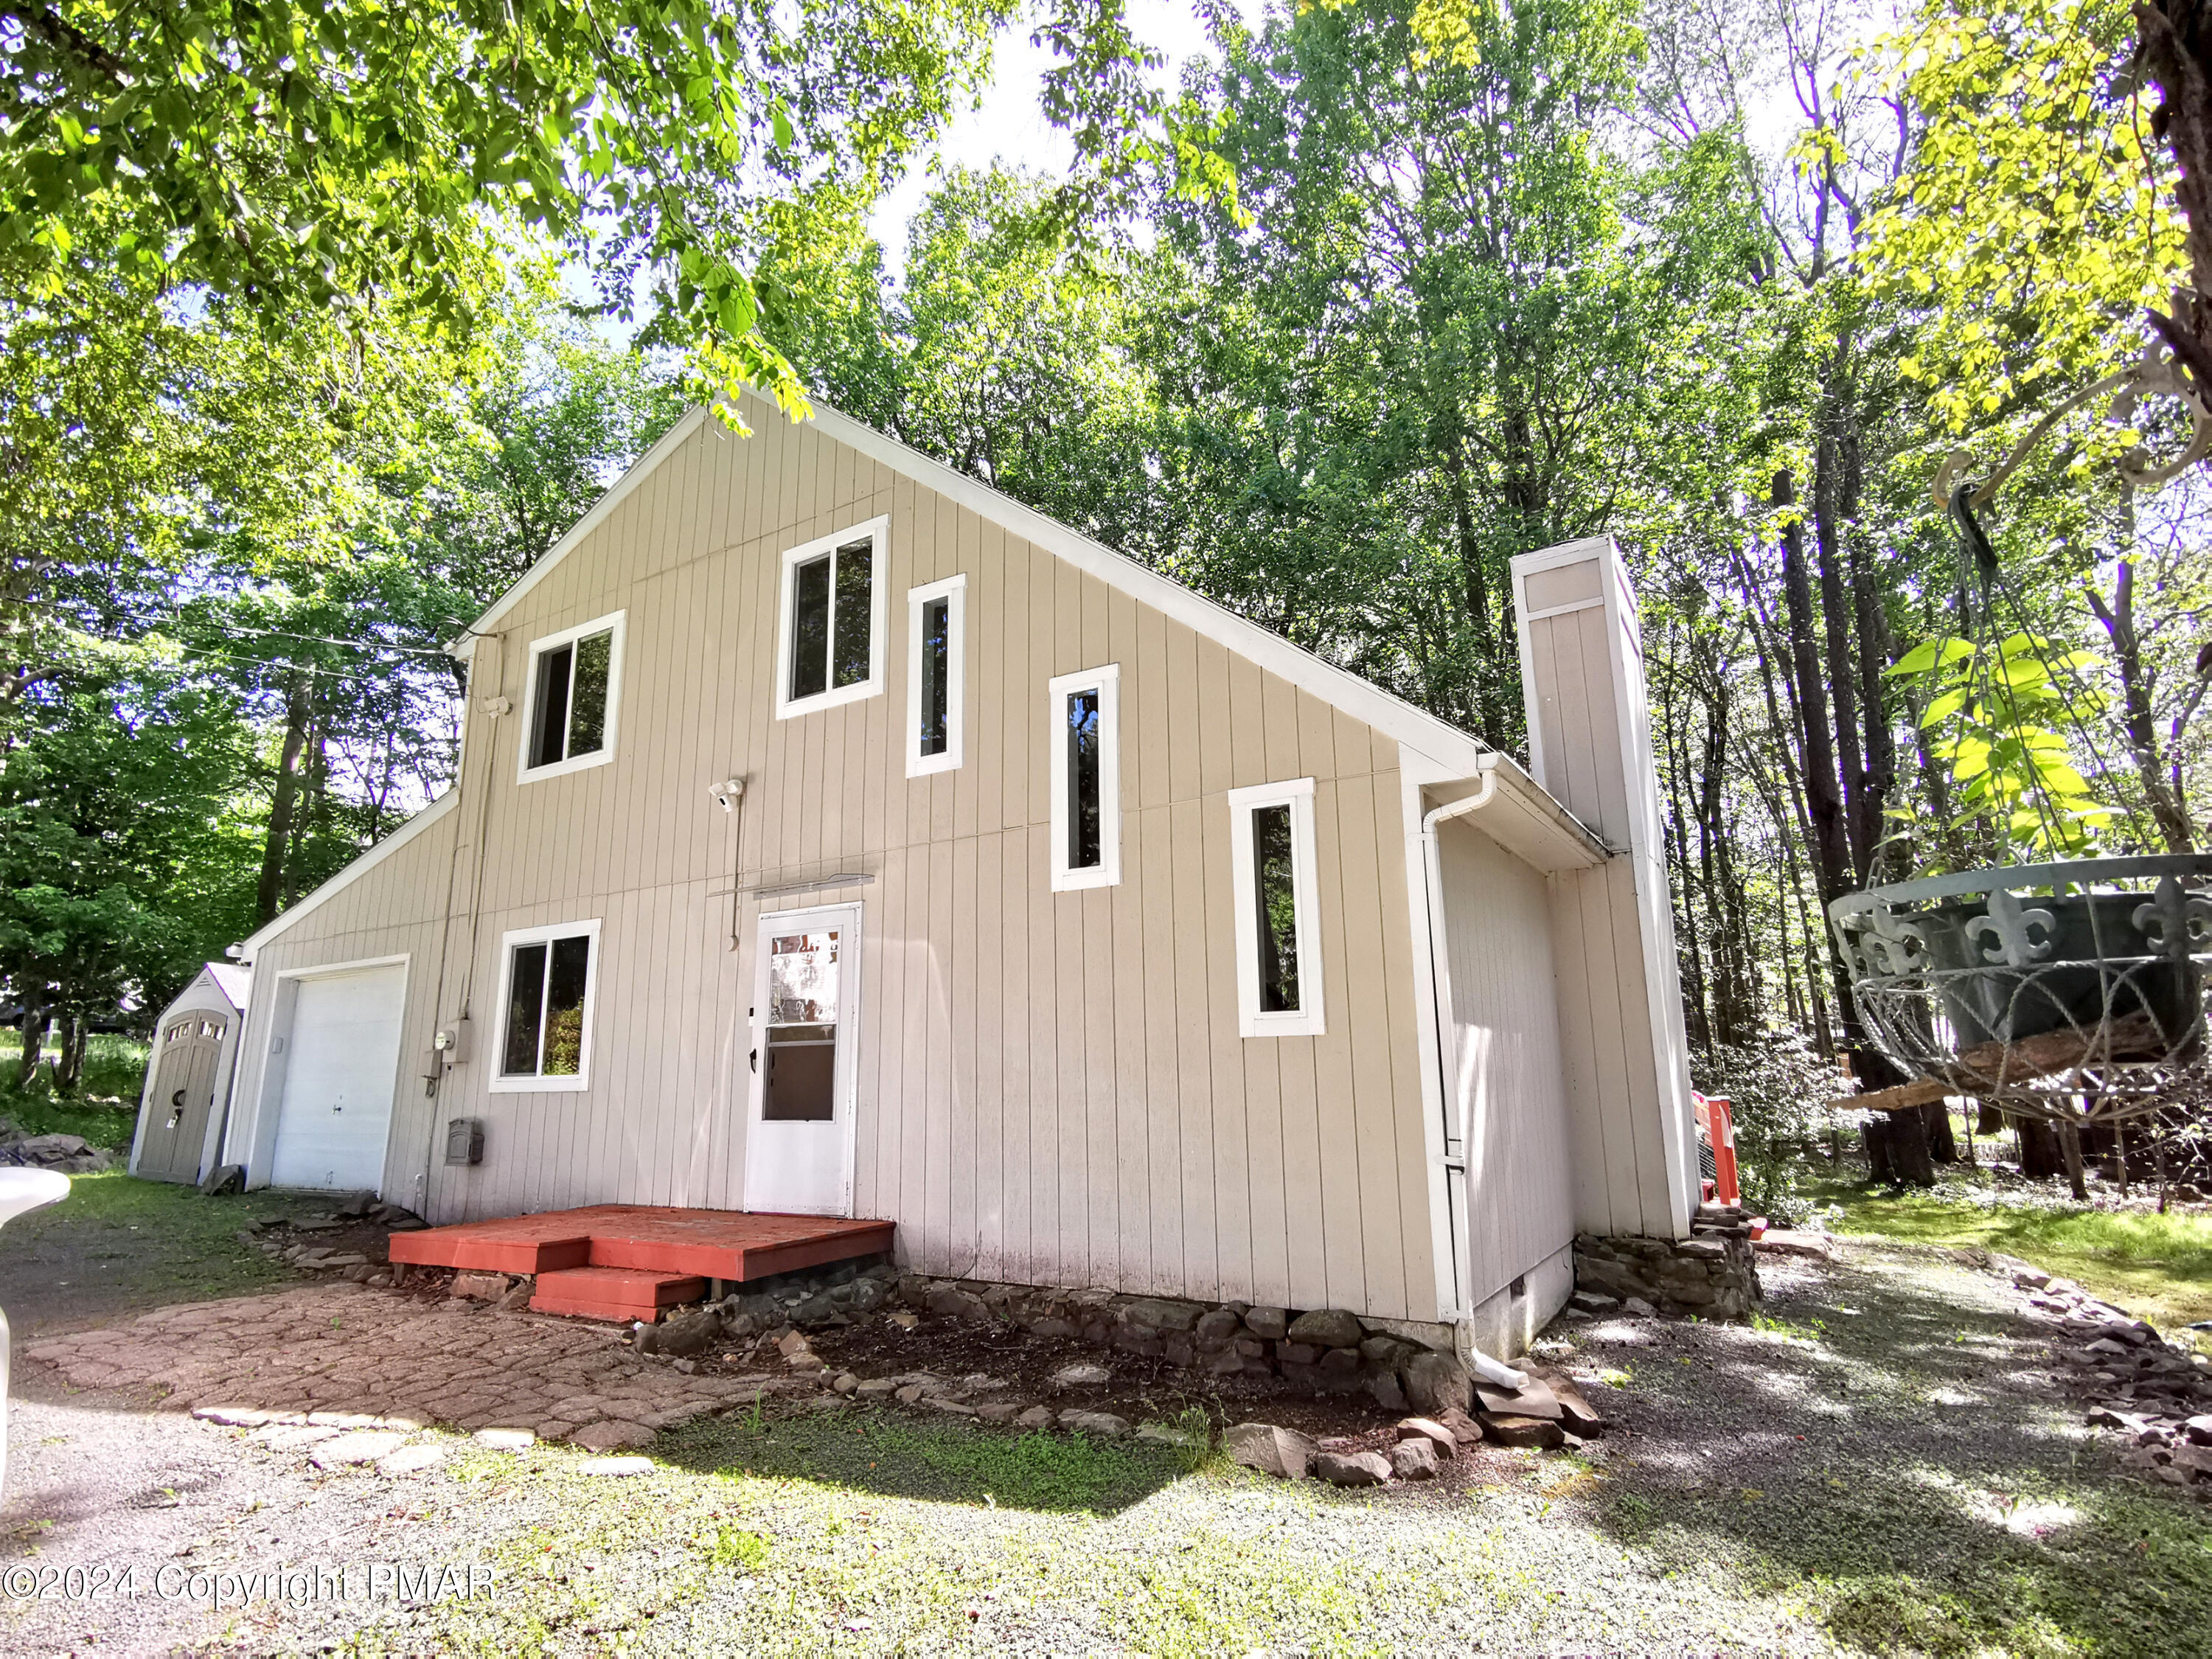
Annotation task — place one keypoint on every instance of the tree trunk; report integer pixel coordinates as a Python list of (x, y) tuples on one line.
[(69, 1070), (2040, 1157), (269, 891), (35, 1037), (1897, 1147), (2070, 1143), (1942, 1144), (2139, 718)]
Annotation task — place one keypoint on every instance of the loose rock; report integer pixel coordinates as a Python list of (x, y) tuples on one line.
[(1104, 1424), (505, 1440), (1285, 1453), (1351, 1468), (1415, 1459), (1511, 1431), (1426, 1428)]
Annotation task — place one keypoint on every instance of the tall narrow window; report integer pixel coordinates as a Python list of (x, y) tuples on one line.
[(1084, 760), (546, 1007), (1275, 918), (1086, 791), (573, 680), (1271, 847), (830, 644), (935, 675)]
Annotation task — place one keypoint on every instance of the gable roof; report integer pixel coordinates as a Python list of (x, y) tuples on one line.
[(1453, 751), (234, 981)]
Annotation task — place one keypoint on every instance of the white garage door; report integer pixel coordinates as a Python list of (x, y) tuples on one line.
[(337, 1085)]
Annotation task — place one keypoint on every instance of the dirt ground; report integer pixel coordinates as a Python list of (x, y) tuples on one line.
[(1887, 1462)]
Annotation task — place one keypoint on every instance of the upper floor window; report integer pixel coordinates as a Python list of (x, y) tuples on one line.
[(831, 632), (574, 681), (1086, 715), (935, 680), (1271, 850)]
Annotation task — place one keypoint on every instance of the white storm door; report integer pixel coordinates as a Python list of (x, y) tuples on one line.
[(343, 1065), (805, 1025)]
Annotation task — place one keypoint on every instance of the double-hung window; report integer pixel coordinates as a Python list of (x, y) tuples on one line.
[(1271, 848), (575, 680), (830, 639), (547, 979), (935, 680), (1085, 715)]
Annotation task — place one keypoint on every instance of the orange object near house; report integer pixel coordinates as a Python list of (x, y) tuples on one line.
[(1724, 1132)]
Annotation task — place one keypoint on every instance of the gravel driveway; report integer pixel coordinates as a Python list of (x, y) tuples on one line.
[(1885, 1466)]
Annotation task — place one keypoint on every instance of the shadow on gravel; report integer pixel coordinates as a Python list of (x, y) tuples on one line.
[(1899, 1457), (861, 1449)]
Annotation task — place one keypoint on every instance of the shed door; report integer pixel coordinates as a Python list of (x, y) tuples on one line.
[(798, 1141), (183, 1096), (338, 1081)]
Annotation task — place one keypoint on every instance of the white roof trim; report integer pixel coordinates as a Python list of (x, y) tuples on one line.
[(670, 440), (345, 878)]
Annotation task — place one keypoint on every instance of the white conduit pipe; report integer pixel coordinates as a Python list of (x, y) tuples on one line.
[(1495, 1372)]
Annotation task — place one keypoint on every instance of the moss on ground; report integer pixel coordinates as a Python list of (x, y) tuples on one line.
[(2157, 1267)]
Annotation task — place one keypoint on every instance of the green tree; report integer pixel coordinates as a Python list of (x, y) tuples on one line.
[(294, 153)]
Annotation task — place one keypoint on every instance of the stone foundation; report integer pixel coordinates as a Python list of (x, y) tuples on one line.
[(1324, 1350), (1712, 1273)]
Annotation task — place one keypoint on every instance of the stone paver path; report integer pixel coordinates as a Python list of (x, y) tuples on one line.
[(345, 1349)]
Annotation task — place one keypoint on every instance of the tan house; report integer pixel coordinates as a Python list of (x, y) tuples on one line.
[(835, 834)]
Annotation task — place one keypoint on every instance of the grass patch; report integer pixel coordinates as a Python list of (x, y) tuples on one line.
[(877, 1452), (2159, 1268), (118, 1243), (105, 1109)]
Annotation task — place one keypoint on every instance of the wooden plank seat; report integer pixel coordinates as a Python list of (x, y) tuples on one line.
[(635, 1261)]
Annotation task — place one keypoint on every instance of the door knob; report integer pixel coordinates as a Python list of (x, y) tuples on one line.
[(753, 1059)]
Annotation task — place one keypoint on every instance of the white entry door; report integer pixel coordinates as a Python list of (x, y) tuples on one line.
[(806, 999), (342, 1063)]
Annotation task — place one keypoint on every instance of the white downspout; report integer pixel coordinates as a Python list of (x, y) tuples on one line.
[(1492, 1371)]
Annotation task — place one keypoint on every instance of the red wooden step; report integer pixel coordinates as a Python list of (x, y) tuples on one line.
[(622, 1293)]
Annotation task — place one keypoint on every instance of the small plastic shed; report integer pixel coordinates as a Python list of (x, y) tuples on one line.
[(188, 1076)]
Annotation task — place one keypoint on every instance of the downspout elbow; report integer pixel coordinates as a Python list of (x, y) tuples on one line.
[(1480, 1365), (1487, 767)]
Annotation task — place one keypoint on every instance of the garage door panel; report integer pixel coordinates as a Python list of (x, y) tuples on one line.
[(344, 1061)]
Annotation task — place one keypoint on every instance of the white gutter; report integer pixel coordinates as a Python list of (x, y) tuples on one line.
[(1492, 1371)]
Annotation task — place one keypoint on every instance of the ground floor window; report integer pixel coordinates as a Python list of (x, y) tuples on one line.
[(547, 978)]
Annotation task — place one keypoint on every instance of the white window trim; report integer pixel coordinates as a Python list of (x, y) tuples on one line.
[(500, 1082), (1107, 681), (524, 771), (954, 590), (877, 529), (1299, 795)]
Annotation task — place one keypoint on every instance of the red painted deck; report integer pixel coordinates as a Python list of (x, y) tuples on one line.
[(631, 1260)]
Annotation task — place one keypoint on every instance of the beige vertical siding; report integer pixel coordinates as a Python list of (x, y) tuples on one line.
[(1507, 1092), (1051, 1086), (1626, 1061)]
